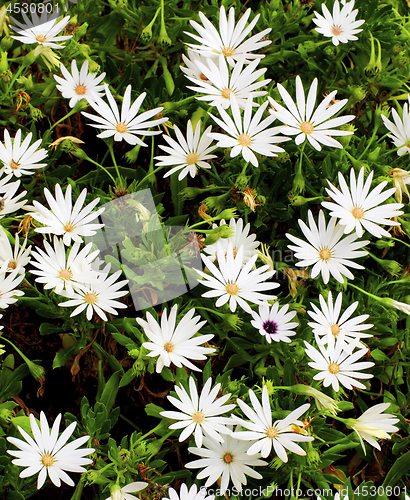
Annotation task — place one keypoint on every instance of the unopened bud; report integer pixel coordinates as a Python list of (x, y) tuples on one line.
[(400, 61), (224, 231), (381, 244), (4, 65), (6, 43), (357, 95), (6, 76), (329, 52), (283, 157)]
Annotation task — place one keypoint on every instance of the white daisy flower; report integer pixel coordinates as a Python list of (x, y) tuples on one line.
[(373, 423), (357, 208), (118, 493), (328, 323), (188, 154), (191, 70), (16, 259), (247, 135), (400, 129), (342, 26), (228, 41), (65, 220), (235, 282), (221, 84), (127, 126), (278, 435), (191, 494), (8, 286), (8, 204), (227, 460), (49, 454), (19, 157), (273, 323), (200, 415), (336, 364), (61, 273), (240, 237), (302, 122), (42, 30), (325, 250), (98, 296), (175, 345), (79, 85)]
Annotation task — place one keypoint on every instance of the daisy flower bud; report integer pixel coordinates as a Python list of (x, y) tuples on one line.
[(323, 402)]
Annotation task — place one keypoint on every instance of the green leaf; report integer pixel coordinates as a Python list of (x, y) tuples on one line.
[(400, 468), (110, 391), (153, 410)]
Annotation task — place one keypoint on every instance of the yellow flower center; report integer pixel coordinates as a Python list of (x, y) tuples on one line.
[(198, 417), (228, 51), (226, 93), (306, 127), (335, 329), (47, 460), (192, 158), (244, 140), (14, 165), (227, 458), (325, 254), (40, 38), (69, 227), (336, 30), (81, 89), (65, 274), (232, 288), (272, 432), (121, 127), (334, 368), (168, 347), (358, 213), (90, 298)]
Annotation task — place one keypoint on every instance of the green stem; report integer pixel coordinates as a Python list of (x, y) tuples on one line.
[(98, 165), (72, 112), (148, 175), (111, 149), (16, 75)]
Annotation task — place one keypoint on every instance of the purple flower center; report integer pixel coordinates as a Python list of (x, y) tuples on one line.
[(270, 327)]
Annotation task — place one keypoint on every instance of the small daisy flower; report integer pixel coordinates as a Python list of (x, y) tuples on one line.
[(48, 454), (278, 435), (342, 26), (234, 282), (357, 208), (118, 493), (175, 345), (60, 273), (200, 415), (337, 364), (79, 85), (228, 461), (16, 259), (240, 237), (191, 494), (65, 220), (8, 285), (42, 30), (326, 250), (19, 157), (328, 322), (191, 70), (273, 323), (221, 84), (127, 126), (229, 41), (302, 122), (98, 296), (188, 154), (247, 135), (323, 402), (8, 202), (373, 423), (400, 129)]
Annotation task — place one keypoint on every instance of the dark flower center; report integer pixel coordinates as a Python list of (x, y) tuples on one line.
[(270, 327)]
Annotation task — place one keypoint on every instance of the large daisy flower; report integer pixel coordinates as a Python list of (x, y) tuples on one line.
[(306, 124)]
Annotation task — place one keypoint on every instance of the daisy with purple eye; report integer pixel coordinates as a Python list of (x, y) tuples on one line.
[(274, 323)]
